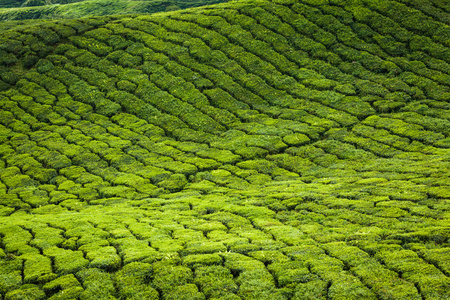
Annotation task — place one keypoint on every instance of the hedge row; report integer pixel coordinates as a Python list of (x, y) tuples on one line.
[(175, 253)]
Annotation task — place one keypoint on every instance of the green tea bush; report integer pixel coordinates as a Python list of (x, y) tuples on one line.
[(66, 260), (167, 278), (196, 260), (132, 250), (229, 240), (96, 47), (11, 274), (11, 45), (296, 139), (27, 291), (314, 289), (8, 59), (414, 269), (64, 287), (215, 281), (290, 273), (435, 256), (97, 284), (44, 237), (268, 256), (387, 284), (104, 258), (188, 291), (94, 77), (37, 268), (203, 247), (257, 284), (133, 280), (404, 129), (238, 263)]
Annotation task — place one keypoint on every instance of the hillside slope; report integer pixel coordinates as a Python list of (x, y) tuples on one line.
[(88, 8), (34, 3), (248, 150)]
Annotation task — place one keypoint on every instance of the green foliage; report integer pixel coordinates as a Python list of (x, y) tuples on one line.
[(11, 275), (132, 281), (166, 278), (66, 260), (187, 291), (174, 183), (37, 268), (315, 289), (97, 284), (250, 150), (297, 139), (64, 287), (27, 291), (215, 281), (62, 9), (104, 258)]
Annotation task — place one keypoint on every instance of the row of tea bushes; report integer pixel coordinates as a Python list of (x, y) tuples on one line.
[(211, 238), (41, 9)]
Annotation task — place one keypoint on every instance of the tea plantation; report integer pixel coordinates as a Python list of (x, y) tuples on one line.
[(67, 9), (255, 149)]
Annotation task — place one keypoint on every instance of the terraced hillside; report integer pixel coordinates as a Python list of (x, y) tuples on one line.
[(34, 3), (87, 8), (249, 150)]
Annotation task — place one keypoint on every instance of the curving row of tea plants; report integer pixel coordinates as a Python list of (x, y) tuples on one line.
[(249, 150), (30, 3), (37, 3), (42, 9)]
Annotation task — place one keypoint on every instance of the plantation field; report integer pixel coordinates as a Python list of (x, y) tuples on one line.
[(254, 149), (10, 11)]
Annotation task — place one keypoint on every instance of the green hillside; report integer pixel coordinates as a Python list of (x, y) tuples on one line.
[(34, 3), (27, 3), (90, 8), (249, 150)]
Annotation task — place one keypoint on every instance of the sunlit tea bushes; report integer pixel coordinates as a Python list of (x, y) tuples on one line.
[(37, 9), (250, 150)]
